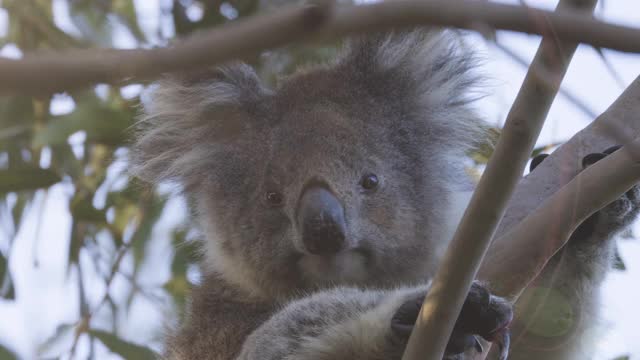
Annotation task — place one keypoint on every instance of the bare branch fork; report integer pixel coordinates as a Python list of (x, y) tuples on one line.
[(47, 73), (587, 193), (617, 125), (530, 247)]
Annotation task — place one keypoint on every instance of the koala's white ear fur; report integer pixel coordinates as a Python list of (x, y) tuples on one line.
[(186, 114)]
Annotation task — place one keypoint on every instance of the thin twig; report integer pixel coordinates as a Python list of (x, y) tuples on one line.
[(46, 73), (141, 289), (112, 274)]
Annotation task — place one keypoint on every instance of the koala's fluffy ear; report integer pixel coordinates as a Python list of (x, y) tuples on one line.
[(186, 115), (426, 73), (429, 63)]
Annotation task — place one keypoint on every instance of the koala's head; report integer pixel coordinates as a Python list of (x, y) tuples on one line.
[(341, 175)]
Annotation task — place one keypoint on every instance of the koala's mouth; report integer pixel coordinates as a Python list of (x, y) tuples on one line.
[(344, 267)]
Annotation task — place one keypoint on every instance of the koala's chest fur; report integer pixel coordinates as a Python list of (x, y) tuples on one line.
[(219, 317)]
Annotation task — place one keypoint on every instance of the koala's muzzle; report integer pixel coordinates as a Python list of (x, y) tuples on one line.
[(321, 221)]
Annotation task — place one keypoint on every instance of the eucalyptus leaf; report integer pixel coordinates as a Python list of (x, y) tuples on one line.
[(484, 150), (7, 290), (186, 253), (5, 354), (101, 125), (91, 18), (125, 11), (76, 243), (26, 178), (22, 200), (178, 287), (82, 209), (16, 120), (122, 347), (618, 263), (151, 213), (3, 268), (63, 159)]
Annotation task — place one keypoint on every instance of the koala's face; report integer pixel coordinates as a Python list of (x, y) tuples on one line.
[(340, 176), (321, 191)]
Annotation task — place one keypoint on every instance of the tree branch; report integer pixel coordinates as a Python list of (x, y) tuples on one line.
[(47, 73), (533, 242), (464, 255), (617, 125)]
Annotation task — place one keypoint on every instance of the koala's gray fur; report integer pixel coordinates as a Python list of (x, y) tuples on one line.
[(396, 105)]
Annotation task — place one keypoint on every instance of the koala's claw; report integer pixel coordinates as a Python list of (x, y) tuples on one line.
[(536, 161), (589, 159), (405, 317), (625, 208), (482, 314), (592, 158), (503, 339), (612, 149), (620, 212)]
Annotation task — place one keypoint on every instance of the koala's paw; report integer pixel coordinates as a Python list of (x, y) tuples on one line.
[(614, 216), (623, 210), (482, 314)]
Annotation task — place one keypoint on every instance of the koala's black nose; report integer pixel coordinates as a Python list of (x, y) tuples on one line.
[(321, 221)]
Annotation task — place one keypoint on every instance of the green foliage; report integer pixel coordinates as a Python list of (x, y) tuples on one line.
[(485, 149), (7, 291), (27, 178), (618, 262), (3, 266), (6, 284), (185, 256), (122, 347), (102, 123), (5, 354)]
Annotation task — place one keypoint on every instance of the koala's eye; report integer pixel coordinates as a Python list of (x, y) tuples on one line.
[(273, 198), (369, 182)]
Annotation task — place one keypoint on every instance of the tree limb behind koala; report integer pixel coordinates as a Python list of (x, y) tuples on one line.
[(50, 72), (544, 231), (617, 125)]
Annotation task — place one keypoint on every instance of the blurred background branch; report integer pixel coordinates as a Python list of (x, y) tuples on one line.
[(46, 73)]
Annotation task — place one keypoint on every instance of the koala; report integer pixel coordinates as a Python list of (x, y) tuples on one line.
[(326, 203)]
